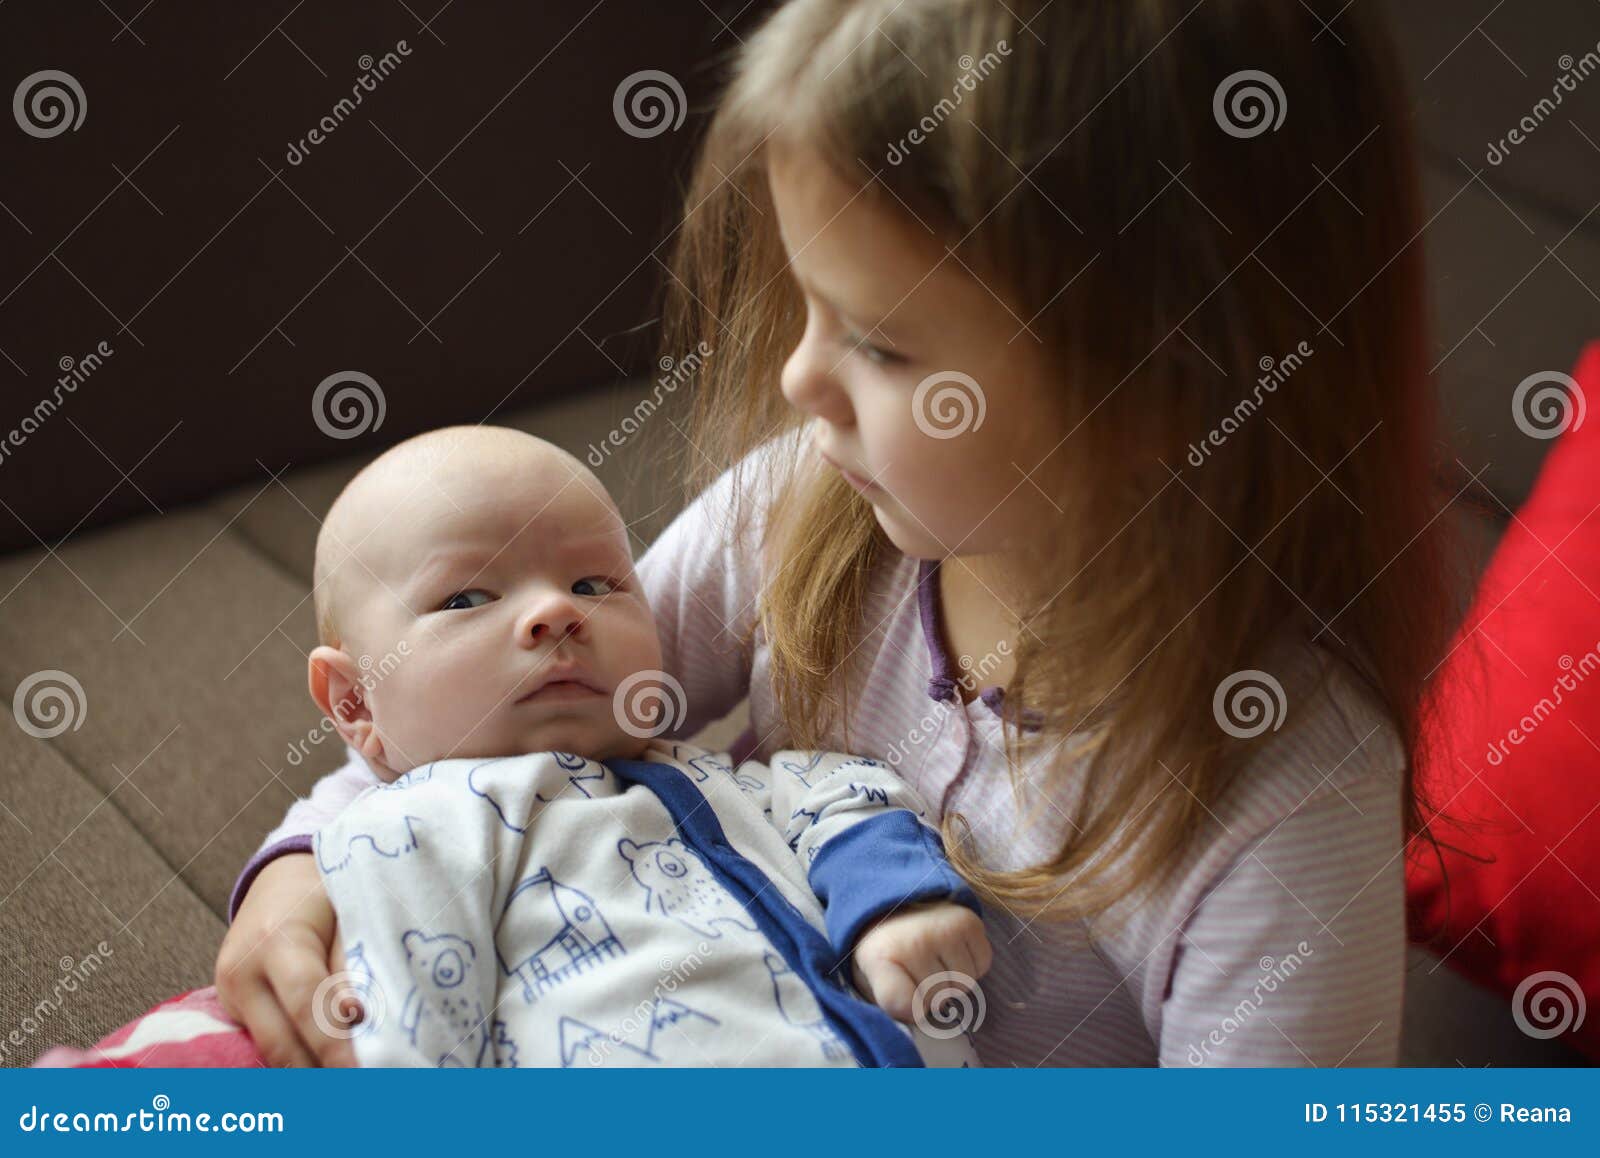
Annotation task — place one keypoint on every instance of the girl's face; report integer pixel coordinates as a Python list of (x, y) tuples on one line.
[(924, 388)]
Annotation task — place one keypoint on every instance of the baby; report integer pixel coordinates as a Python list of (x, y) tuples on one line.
[(537, 878)]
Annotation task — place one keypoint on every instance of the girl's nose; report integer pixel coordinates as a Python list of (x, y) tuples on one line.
[(809, 384), (548, 617)]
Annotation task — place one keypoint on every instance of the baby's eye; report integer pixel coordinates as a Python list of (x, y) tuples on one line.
[(592, 586), (462, 600)]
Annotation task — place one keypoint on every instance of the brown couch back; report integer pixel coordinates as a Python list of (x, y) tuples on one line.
[(481, 230), (257, 199)]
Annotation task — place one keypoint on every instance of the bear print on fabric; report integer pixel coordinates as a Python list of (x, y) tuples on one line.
[(678, 884)]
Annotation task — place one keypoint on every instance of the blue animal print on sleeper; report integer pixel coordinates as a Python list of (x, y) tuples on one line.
[(802, 769), (677, 884), (388, 843), (443, 1014), (799, 1007)]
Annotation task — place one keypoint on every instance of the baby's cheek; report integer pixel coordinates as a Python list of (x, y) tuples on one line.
[(421, 697), (394, 708), (644, 645)]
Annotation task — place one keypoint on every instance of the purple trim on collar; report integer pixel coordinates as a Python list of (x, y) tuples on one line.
[(943, 683)]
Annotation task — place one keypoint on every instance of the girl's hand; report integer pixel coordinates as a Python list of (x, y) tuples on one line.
[(903, 950), (276, 953)]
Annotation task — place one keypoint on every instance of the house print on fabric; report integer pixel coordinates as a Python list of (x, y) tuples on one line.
[(570, 933)]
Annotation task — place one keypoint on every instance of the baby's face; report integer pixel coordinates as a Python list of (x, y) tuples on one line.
[(499, 608)]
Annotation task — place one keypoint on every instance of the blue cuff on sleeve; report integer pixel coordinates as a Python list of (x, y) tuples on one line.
[(878, 866)]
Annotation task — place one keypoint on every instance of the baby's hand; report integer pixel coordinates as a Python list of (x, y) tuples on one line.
[(903, 950)]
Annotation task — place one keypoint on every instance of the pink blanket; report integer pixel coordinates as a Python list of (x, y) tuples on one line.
[(189, 1030)]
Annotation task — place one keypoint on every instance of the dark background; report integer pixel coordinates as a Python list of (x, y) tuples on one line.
[(478, 233)]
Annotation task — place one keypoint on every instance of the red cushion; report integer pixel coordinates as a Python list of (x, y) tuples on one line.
[(190, 1030), (1517, 757)]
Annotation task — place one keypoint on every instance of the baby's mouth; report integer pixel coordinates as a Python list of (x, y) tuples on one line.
[(566, 684), (560, 690)]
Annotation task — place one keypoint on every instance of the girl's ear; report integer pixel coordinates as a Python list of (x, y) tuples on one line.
[(335, 681)]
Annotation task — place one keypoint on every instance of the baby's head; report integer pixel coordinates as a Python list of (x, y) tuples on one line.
[(475, 596)]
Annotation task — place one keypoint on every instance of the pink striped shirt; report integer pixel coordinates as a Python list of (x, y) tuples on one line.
[(1278, 940)]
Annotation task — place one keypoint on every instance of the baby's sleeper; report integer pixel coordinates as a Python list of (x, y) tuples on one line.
[(548, 910)]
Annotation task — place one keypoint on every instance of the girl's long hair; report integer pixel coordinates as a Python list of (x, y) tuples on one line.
[(1237, 310)]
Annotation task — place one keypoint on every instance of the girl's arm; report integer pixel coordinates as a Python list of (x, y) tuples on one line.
[(328, 797), (1296, 954), (702, 583)]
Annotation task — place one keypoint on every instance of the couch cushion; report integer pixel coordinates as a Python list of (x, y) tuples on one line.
[(189, 649), (94, 923)]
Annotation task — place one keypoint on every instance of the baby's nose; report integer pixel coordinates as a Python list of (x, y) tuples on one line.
[(549, 619)]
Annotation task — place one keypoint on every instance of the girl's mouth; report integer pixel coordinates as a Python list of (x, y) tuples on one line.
[(855, 480)]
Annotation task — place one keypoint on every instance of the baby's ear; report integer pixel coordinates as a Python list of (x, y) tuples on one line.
[(335, 681)]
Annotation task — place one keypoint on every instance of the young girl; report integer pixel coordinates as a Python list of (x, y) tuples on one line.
[(1073, 452)]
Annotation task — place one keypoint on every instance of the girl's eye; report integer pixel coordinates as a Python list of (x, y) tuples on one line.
[(875, 354), (594, 585), (462, 600)]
